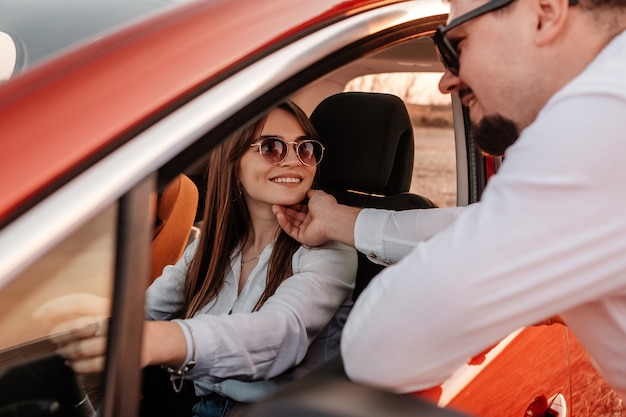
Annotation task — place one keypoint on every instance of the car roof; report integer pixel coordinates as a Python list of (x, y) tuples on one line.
[(93, 99)]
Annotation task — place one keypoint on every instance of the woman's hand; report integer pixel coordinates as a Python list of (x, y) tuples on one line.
[(78, 325), (82, 343)]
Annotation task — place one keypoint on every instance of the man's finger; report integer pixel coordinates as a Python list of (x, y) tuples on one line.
[(293, 213), (287, 225)]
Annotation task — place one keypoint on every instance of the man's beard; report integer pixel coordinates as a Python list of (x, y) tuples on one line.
[(494, 134)]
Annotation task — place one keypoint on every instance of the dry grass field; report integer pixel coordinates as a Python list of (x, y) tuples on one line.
[(434, 168)]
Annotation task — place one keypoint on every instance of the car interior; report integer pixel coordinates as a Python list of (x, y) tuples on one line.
[(359, 129), (176, 209), (386, 142)]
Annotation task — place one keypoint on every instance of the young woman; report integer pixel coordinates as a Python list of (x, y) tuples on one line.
[(247, 306)]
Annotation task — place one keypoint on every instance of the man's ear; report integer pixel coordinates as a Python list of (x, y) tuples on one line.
[(551, 17)]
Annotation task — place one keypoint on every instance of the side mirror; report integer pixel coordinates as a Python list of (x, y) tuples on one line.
[(11, 56)]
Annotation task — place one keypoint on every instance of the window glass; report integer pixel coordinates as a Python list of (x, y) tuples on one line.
[(76, 274), (434, 169)]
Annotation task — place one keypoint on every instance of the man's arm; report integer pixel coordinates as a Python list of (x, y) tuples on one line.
[(323, 220), (532, 248), (386, 236)]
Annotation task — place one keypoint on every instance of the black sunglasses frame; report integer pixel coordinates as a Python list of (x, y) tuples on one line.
[(296, 146), (447, 52)]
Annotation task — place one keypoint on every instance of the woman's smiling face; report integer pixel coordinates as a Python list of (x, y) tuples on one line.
[(285, 183)]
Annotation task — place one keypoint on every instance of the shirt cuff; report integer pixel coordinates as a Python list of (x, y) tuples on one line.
[(368, 234), (189, 340)]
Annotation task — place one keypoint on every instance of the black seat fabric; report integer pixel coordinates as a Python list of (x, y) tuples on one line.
[(369, 157)]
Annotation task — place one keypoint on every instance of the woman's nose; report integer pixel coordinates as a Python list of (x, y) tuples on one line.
[(292, 158)]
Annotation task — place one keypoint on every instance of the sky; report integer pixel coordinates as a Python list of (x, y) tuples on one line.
[(416, 88)]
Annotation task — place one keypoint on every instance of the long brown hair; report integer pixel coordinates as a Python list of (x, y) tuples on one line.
[(226, 222)]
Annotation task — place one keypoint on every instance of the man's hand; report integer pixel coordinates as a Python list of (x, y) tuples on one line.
[(305, 223), (319, 221)]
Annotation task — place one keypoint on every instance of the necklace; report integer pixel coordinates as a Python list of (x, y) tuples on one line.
[(248, 260)]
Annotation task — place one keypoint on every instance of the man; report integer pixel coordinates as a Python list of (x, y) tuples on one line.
[(549, 235)]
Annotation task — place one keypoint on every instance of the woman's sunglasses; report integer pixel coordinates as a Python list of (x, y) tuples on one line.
[(274, 150)]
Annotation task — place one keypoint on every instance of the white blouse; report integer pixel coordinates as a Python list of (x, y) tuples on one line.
[(245, 355)]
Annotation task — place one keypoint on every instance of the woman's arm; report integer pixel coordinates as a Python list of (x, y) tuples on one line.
[(266, 343), (165, 296)]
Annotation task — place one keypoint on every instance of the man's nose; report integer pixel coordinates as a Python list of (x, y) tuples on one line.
[(449, 83)]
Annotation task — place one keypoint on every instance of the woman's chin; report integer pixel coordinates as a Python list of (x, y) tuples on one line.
[(290, 201)]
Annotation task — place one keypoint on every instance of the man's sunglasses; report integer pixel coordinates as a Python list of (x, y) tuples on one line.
[(447, 51), (274, 150)]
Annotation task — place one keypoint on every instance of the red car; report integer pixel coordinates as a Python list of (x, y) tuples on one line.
[(104, 104)]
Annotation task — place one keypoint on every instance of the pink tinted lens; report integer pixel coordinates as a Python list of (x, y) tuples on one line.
[(309, 152), (273, 150)]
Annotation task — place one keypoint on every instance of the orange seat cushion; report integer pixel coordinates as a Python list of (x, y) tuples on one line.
[(176, 213)]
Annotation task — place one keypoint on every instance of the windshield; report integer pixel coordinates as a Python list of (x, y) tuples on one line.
[(31, 30)]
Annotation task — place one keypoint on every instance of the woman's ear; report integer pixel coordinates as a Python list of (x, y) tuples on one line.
[(551, 18)]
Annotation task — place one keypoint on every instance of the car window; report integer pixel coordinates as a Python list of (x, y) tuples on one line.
[(75, 274), (434, 168)]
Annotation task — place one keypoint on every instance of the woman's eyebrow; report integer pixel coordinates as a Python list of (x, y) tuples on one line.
[(301, 137)]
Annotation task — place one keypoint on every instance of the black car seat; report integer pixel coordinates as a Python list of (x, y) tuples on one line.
[(369, 157)]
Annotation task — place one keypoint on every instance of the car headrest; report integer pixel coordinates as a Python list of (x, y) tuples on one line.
[(369, 143)]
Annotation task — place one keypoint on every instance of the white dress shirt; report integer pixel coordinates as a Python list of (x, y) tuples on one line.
[(548, 237)]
